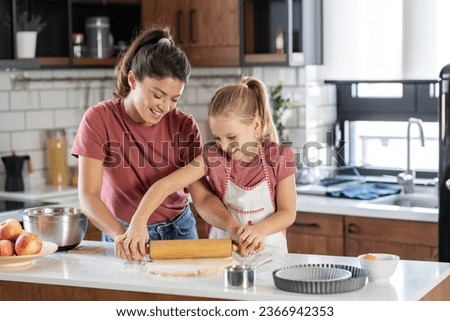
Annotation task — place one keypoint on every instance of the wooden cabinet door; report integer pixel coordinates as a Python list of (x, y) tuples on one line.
[(411, 240), (208, 31), (316, 234), (167, 13), (213, 32)]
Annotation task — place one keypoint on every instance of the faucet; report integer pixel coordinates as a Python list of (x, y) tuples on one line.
[(407, 177)]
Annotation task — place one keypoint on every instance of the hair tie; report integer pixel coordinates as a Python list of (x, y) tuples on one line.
[(164, 40)]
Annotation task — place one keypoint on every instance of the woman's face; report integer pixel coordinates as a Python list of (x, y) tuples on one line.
[(236, 137), (150, 99)]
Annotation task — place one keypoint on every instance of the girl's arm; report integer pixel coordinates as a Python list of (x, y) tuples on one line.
[(90, 180), (136, 237), (286, 200), (211, 208)]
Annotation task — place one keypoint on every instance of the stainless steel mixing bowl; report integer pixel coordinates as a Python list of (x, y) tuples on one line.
[(65, 226)]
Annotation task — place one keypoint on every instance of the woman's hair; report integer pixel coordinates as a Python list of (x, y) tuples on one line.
[(151, 54), (246, 100)]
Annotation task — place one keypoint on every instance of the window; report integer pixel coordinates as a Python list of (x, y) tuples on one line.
[(373, 119)]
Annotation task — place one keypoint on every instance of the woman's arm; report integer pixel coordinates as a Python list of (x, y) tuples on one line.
[(286, 199), (90, 180), (136, 237)]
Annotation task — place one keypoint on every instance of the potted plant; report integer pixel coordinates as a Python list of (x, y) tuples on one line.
[(28, 26), (279, 106)]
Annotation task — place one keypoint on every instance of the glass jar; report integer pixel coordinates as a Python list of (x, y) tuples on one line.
[(57, 157)]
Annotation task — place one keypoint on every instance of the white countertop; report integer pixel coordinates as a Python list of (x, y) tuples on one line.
[(305, 203), (351, 207), (411, 280)]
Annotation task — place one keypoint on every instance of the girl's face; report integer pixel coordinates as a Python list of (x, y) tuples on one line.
[(150, 99), (235, 137)]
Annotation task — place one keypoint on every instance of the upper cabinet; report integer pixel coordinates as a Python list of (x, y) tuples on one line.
[(66, 24), (213, 33), (208, 31), (281, 32)]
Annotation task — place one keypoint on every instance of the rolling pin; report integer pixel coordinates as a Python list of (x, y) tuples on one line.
[(190, 249)]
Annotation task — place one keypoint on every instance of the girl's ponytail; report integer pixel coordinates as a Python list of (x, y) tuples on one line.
[(268, 129)]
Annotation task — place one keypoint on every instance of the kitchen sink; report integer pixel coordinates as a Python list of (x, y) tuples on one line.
[(409, 200)]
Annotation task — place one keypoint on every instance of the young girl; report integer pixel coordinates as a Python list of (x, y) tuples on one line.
[(251, 173)]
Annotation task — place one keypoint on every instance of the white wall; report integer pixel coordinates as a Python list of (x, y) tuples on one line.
[(385, 39)]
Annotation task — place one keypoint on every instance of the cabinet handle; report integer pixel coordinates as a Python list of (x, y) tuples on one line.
[(179, 26), (192, 25), (352, 228), (306, 224)]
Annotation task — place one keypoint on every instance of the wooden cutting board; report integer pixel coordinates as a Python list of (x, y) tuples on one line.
[(188, 267)]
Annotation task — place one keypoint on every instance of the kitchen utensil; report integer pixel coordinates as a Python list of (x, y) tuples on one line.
[(315, 274), (98, 37), (26, 260), (287, 283), (65, 226), (13, 166), (239, 276), (187, 249)]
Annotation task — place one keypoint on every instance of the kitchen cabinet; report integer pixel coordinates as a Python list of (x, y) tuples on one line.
[(63, 18), (409, 239), (93, 233), (202, 227), (281, 32), (208, 31), (316, 234)]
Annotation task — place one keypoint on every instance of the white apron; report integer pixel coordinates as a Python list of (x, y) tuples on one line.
[(250, 205)]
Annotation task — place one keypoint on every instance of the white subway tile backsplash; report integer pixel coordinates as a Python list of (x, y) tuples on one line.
[(68, 117), (4, 100), (27, 140), (28, 108), (5, 80), (39, 119), (5, 142), (272, 75), (24, 99), (53, 99), (10, 121)]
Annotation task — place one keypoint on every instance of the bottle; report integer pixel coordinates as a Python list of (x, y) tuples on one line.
[(57, 157), (79, 47)]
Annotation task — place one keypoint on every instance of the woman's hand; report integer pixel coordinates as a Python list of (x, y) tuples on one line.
[(131, 245), (250, 239)]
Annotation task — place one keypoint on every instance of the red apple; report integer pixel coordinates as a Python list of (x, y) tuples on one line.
[(28, 244), (6, 248), (10, 230)]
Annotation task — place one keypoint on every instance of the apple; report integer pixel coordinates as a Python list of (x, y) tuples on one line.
[(28, 244), (6, 248), (10, 230)]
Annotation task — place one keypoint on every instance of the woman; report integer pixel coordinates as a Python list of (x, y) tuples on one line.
[(126, 144)]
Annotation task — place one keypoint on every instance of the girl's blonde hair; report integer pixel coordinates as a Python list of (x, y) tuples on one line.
[(247, 100)]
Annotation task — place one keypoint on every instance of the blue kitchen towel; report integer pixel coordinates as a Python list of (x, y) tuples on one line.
[(366, 191)]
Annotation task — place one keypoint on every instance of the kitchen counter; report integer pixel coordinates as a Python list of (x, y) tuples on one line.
[(351, 207), (101, 276)]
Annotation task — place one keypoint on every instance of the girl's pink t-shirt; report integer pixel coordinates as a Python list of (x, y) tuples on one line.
[(135, 156), (279, 158)]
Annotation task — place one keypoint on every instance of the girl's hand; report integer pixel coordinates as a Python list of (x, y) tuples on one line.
[(119, 249), (134, 242), (250, 240)]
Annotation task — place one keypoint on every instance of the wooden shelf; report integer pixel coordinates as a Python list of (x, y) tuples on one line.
[(88, 61)]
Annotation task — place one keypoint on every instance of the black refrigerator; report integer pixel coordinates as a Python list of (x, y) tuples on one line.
[(444, 164)]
